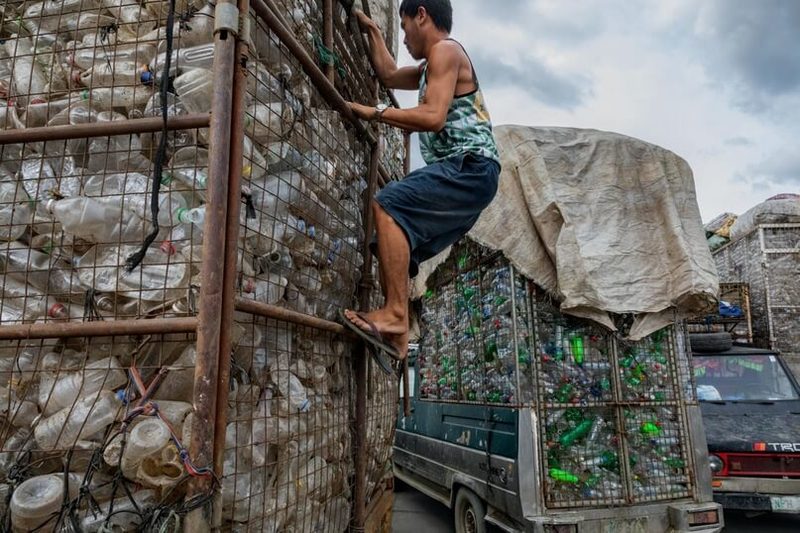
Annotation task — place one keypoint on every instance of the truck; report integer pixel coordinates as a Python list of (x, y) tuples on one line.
[(750, 403), (533, 420)]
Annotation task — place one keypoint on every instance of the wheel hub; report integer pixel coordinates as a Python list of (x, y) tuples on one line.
[(470, 522)]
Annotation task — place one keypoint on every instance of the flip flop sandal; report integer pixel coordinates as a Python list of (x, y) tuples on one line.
[(374, 341)]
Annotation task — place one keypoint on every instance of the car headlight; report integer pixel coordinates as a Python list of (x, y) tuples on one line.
[(715, 463)]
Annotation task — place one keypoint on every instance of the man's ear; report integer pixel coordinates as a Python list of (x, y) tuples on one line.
[(422, 15)]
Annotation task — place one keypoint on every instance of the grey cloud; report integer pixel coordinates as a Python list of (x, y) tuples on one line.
[(781, 168), (753, 47), (534, 77), (738, 141), (552, 27)]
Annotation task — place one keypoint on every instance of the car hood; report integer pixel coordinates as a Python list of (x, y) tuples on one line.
[(738, 432)]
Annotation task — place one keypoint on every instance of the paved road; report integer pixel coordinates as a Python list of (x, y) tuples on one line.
[(416, 513)]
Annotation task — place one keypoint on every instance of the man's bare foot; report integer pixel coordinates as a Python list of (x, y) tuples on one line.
[(391, 325), (401, 343)]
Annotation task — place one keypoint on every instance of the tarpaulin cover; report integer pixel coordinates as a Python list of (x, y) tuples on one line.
[(604, 222)]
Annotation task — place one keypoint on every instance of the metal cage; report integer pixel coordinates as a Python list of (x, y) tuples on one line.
[(184, 206)]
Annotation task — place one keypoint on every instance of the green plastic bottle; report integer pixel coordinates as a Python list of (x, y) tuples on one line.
[(578, 352), (674, 462), (564, 393), (609, 461), (650, 429), (576, 433), (563, 476)]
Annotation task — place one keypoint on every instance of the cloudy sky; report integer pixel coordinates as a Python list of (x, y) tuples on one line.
[(715, 81)]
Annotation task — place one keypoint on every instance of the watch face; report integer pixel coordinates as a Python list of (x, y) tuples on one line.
[(382, 107)]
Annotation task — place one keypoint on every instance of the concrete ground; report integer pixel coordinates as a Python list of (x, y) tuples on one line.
[(416, 513)]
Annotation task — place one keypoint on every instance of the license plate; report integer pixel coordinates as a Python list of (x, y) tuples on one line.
[(631, 525), (785, 504)]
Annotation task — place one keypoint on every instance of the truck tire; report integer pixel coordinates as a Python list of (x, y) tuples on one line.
[(710, 342), (469, 512)]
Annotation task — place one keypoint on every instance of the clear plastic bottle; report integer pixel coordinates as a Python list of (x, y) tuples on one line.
[(268, 123), (87, 417), (86, 58), (30, 303), (184, 60), (100, 220), (150, 458), (188, 170), (103, 374), (194, 32), (120, 73), (178, 384), (163, 273), (37, 499), (195, 88), (106, 98), (291, 389), (30, 82), (269, 291), (19, 413), (15, 213)]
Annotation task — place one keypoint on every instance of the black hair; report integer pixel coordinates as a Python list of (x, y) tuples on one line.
[(440, 11)]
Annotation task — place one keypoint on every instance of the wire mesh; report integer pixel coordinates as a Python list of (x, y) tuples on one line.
[(611, 411), (288, 442), (475, 339), (73, 215), (94, 431)]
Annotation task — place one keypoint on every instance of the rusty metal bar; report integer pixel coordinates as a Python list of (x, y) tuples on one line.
[(362, 362), (327, 35), (286, 315), (212, 272), (100, 328), (236, 164), (406, 390), (266, 10), (104, 129)]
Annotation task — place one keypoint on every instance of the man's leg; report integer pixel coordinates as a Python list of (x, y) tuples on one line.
[(394, 255)]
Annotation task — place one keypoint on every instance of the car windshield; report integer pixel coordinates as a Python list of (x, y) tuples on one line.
[(742, 378)]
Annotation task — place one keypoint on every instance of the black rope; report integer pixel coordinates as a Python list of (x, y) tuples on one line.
[(90, 311), (135, 259)]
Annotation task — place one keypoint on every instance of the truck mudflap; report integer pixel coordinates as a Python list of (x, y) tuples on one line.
[(678, 517)]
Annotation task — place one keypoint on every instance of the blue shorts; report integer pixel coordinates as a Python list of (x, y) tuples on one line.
[(438, 204)]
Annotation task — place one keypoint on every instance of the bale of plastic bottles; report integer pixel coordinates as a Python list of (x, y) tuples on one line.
[(611, 411), (94, 432)]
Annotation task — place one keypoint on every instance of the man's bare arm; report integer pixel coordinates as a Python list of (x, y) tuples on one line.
[(406, 78), (431, 114)]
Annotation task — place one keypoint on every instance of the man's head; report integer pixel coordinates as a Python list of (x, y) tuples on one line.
[(422, 18)]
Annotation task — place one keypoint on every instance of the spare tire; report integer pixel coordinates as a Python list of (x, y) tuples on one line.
[(711, 342)]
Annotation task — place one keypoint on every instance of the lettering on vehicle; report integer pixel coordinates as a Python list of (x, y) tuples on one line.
[(784, 446)]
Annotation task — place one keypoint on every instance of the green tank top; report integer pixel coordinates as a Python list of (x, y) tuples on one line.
[(467, 130)]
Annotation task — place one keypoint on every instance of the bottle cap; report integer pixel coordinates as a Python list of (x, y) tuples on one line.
[(168, 248), (147, 77), (57, 310), (181, 213)]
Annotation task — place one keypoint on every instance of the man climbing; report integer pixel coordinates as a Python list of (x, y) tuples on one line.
[(436, 205)]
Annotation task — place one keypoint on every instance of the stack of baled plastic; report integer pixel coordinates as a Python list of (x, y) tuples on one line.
[(610, 411), (114, 414)]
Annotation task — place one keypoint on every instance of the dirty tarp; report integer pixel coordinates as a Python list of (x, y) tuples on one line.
[(604, 222)]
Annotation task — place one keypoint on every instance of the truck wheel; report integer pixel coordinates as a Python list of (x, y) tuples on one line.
[(469, 513), (710, 342)]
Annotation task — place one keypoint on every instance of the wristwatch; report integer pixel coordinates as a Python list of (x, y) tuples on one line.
[(379, 109)]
